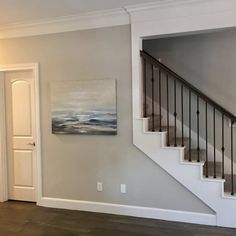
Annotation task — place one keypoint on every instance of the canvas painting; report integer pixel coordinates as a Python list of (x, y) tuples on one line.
[(84, 107)]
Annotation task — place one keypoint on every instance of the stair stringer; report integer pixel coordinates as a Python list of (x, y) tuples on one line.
[(190, 175)]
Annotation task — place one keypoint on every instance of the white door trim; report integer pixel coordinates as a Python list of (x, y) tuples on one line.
[(34, 67)]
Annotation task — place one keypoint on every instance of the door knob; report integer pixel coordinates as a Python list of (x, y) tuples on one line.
[(32, 144)]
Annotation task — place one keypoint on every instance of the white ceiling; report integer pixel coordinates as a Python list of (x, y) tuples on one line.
[(15, 11)]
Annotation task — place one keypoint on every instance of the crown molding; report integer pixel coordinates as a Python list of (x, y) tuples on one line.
[(170, 9), (91, 20), (161, 9), (159, 4)]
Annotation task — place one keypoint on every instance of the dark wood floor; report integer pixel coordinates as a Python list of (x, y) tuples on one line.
[(26, 219)]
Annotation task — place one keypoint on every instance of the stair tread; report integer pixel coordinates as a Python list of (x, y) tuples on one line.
[(164, 128), (228, 177), (211, 163), (155, 115), (228, 194), (194, 154), (157, 118), (179, 141), (218, 167), (194, 151), (227, 185)]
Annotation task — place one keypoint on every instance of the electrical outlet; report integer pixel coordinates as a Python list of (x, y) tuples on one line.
[(123, 188), (99, 187)]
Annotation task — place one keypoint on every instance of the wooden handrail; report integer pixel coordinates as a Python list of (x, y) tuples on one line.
[(193, 89)]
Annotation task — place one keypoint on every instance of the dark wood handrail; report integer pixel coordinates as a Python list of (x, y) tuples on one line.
[(193, 89)]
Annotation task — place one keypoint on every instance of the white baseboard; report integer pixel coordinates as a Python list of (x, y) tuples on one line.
[(136, 211)]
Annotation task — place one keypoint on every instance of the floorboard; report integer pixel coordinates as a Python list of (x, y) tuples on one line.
[(27, 219)]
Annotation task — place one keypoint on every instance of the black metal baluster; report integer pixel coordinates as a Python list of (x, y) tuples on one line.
[(182, 115), (208, 101), (206, 143), (232, 159), (145, 87), (214, 139), (223, 148), (190, 152), (198, 131), (175, 113), (153, 109), (167, 106), (160, 129)]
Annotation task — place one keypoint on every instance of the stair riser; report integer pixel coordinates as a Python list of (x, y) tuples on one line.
[(227, 185)]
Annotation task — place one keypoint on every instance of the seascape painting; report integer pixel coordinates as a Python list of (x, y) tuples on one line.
[(84, 107)]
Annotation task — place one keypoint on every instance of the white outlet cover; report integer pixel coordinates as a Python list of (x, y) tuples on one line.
[(99, 187), (123, 188)]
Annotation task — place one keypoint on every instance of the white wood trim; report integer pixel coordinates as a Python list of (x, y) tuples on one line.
[(172, 19), (38, 131), (91, 20), (167, 10), (182, 9), (34, 67), (210, 191), (16, 67), (3, 159), (169, 20), (137, 211), (159, 4)]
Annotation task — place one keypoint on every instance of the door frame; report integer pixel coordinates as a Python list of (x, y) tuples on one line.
[(34, 67)]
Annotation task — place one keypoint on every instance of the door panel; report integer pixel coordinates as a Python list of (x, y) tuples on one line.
[(23, 166), (21, 108), (21, 150)]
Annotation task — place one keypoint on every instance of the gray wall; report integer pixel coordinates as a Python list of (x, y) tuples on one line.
[(72, 164), (207, 61)]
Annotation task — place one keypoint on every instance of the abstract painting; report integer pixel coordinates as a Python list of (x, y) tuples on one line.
[(84, 107)]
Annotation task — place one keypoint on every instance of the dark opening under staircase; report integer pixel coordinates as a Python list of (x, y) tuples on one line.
[(174, 105)]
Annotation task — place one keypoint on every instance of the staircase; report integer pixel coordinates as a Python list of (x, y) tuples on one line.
[(210, 169), (190, 136)]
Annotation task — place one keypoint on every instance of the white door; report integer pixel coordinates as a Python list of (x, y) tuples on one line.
[(21, 134)]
